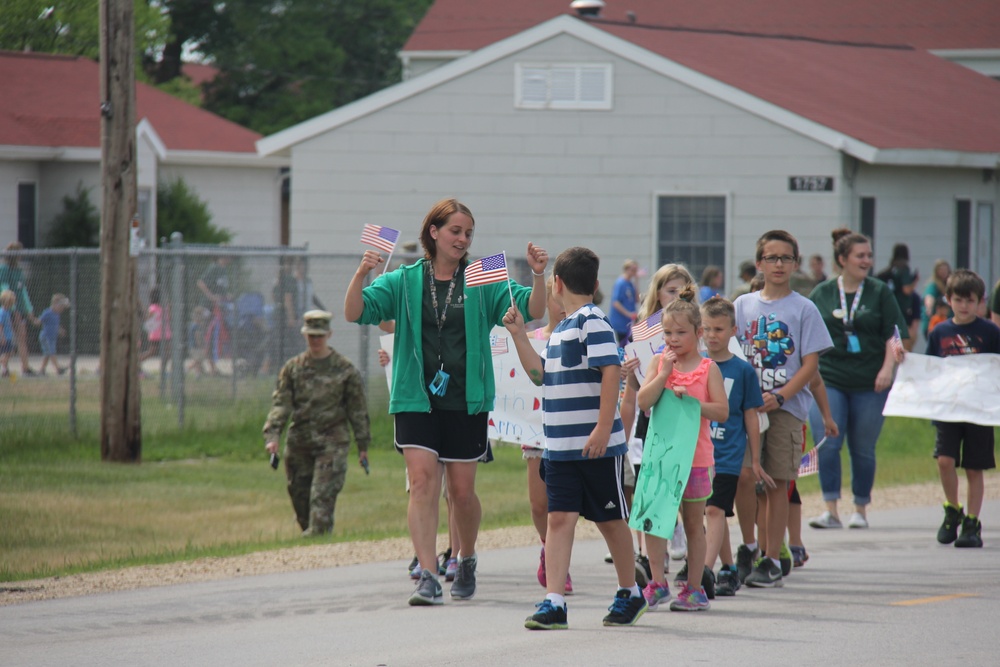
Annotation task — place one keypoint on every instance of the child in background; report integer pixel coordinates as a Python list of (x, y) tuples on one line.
[(156, 325), (48, 336), (584, 439), (961, 443), (731, 438), (942, 311), (684, 371), (7, 344), (200, 318)]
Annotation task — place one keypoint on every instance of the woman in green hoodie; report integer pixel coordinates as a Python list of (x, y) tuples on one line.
[(442, 381)]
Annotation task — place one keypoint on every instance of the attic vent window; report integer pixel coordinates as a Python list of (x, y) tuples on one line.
[(564, 86)]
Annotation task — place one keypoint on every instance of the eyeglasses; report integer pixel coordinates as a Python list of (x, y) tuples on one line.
[(774, 259)]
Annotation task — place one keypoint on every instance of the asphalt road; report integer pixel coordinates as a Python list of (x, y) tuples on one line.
[(889, 595)]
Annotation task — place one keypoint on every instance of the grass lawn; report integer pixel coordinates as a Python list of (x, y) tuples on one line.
[(208, 490)]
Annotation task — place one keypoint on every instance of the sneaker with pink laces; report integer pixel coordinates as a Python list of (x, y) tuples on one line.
[(690, 599), (544, 581), (655, 593)]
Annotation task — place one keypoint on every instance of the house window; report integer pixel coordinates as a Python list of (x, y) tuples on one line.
[(27, 207), (692, 231), (564, 86)]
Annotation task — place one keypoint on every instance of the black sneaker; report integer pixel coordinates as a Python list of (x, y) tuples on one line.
[(708, 583), (953, 518), (766, 574), (682, 576), (971, 533), (443, 562), (548, 617), (625, 609), (744, 561), (643, 573), (727, 583)]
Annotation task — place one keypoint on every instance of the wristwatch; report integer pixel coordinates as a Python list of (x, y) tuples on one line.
[(778, 397)]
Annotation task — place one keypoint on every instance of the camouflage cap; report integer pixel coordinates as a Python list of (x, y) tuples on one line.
[(316, 323)]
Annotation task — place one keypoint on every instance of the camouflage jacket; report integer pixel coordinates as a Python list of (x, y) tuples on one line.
[(318, 397)]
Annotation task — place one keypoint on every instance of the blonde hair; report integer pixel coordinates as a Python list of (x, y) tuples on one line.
[(685, 305), (663, 275), (7, 298)]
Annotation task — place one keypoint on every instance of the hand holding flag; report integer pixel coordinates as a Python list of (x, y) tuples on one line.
[(896, 343)]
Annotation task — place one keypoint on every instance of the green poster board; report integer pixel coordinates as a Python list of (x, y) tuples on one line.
[(666, 463)]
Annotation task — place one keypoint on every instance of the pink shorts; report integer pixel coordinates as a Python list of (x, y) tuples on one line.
[(699, 486)]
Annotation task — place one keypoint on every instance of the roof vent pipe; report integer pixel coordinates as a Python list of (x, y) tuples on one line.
[(587, 8)]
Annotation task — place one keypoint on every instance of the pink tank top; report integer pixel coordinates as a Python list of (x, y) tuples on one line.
[(696, 382)]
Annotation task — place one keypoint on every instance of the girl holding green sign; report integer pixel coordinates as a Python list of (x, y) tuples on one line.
[(682, 369)]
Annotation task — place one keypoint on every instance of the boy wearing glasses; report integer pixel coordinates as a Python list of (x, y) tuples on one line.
[(782, 335)]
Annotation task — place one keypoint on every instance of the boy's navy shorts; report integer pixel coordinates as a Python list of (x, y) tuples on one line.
[(724, 492), (971, 445), (594, 488)]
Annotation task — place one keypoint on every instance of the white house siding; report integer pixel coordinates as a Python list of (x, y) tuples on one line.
[(244, 200), (917, 206), (11, 174), (561, 178)]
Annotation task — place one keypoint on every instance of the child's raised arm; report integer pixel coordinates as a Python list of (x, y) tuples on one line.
[(656, 380), (530, 361)]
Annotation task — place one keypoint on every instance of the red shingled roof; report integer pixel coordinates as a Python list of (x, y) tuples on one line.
[(898, 98), (925, 24), (53, 101)]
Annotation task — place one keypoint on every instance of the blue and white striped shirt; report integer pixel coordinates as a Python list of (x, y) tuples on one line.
[(578, 348)]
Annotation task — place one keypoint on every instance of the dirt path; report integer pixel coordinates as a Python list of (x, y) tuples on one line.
[(317, 556)]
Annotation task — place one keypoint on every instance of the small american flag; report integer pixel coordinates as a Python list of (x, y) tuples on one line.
[(649, 327), (810, 461), (896, 341), (383, 238), (498, 345), (492, 269)]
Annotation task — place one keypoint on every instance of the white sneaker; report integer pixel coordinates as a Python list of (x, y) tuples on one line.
[(826, 520), (857, 521), (678, 545)]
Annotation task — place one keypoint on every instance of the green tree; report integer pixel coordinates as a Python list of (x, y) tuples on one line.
[(73, 27), (79, 223), (282, 62), (178, 209)]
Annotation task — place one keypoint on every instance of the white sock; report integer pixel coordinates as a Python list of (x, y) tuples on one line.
[(635, 590), (776, 562), (752, 546), (556, 600)]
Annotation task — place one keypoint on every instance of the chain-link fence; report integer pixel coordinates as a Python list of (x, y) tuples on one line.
[(215, 323)]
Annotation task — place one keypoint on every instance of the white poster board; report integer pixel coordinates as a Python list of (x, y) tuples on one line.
[(949, 389)]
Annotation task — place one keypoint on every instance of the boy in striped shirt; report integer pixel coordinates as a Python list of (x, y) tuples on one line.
[(585, 445)]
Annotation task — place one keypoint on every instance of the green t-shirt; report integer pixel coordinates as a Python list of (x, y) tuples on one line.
[(873, 324), (451, 345)]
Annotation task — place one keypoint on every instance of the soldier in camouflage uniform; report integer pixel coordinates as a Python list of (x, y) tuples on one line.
[(319, 392)]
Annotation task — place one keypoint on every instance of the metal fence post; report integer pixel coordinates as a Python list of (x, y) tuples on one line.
[(178, 338), (73, 279)]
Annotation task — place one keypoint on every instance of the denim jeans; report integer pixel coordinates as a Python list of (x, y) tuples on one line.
[(859, 417)]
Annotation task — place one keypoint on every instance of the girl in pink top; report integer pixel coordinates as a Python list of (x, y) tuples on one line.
[(682, 369)]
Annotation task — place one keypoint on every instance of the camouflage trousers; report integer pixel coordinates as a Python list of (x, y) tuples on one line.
[(315, 476)]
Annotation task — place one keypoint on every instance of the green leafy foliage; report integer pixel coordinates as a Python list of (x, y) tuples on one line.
[(73, 27), (178, 209), (79, 223)]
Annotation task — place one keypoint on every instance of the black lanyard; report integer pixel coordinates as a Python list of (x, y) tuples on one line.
[(439, 318)]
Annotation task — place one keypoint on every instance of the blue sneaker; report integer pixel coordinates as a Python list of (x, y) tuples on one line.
[(548, 617), (625, 609)]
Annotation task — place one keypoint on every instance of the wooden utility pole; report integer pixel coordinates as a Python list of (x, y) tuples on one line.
[(121, 432)]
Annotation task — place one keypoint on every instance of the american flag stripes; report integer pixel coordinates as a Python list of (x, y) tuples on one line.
[(383, 238), (649, 327), (492, 269), (810, 463), (896, 341), (498, 345)]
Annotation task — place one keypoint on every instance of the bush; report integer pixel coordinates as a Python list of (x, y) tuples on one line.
[(79, 224), (178, 209)]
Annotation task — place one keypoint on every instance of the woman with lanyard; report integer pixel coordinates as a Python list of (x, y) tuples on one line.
[(862, 315), (442, 381)]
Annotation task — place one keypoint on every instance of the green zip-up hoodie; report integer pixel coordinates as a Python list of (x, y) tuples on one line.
[(399, 296)]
